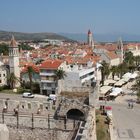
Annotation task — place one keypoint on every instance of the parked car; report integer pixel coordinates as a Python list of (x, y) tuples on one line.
[(27, 95)]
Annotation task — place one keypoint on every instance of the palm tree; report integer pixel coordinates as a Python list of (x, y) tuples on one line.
[(60, 74), (30, 72), (114, 71), (104, 71), (136, 87), (137, 60), (129, 58), (11, 80), (122, 69)]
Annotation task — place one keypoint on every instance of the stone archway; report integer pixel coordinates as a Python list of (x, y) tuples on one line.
[(75, 114)]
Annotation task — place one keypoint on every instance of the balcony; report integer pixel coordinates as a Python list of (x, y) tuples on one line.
[(48, 81), (87, 78), (48, 88), (47, 74)]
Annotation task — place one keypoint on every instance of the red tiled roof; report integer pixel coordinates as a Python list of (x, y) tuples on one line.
[(112, 55), (51, 64)]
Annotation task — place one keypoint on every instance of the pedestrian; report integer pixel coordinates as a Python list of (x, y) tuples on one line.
[(128, 105), (131, 105)]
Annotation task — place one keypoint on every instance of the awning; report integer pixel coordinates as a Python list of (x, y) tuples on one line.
[(116, 91), (105, 89), (114, 94), (108, 108), (109, 81), (120, 82), (134, 75), (127, 75), (126, 79)]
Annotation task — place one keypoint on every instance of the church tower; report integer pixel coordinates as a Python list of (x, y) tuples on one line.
[(14, 59), (120, 50), (90, 39)]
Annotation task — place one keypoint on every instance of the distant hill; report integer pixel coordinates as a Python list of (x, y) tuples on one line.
[(108, 37), (6, 35)]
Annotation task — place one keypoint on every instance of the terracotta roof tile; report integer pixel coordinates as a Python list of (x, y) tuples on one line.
[(51, 64), (112, 55)]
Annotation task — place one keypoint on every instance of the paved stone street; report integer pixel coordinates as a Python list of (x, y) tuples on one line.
[(126, 120)]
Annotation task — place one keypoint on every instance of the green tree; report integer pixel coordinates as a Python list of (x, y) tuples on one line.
[(129, 58), (122, 69), (137, 60), (60, 74), (136, 87), (4, 49), (24, 46), (30, 72), (129, 61), (104, 71), (11, 80), (114, 71)]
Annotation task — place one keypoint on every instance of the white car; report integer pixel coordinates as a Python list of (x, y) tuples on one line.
[(27, 95)]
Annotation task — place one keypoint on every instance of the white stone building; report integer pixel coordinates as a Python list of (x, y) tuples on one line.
[(78, 78), (48, 81)]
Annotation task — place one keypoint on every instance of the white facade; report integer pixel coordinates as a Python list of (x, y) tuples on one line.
[(53, 42), (115, 62), (78, 77), (3, 75), (47, 81)]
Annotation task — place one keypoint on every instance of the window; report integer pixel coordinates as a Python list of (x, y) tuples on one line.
[(49, 84)]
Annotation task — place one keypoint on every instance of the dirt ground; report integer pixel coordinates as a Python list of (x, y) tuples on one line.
[(36, 134)]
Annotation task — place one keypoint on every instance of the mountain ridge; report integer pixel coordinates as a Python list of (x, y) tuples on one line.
[(6, 35)]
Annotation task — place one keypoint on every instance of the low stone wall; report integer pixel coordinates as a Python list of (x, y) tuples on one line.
[(89, 130), (26, 106), (111, 129), (4, 132)]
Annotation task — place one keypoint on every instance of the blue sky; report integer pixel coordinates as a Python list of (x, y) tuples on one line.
[(70, 16)]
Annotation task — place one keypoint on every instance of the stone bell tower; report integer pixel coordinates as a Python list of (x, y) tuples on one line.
[(90, 39), (14, 60)]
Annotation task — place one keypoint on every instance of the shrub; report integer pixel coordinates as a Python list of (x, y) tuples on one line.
[(1, 88), (21, 90)]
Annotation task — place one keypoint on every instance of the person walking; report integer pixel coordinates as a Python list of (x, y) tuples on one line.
[(128, 105), (131, 105)]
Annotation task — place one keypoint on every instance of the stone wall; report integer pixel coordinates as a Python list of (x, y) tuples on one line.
[(68, 104), (4, 132), (25, 106)]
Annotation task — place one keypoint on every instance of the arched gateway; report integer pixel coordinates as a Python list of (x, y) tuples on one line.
[(75, 114), (73, 109)]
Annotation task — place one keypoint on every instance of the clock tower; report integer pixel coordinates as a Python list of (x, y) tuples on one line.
[(14, 59)]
